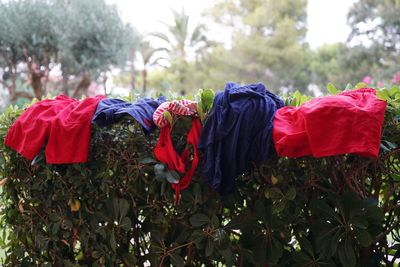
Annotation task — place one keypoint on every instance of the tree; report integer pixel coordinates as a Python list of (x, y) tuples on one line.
[(378, 21), (375, 26), (92, 39), (83, 38), (148, 55), (179, 40), (28, 35), (268, 41), (181, 43)]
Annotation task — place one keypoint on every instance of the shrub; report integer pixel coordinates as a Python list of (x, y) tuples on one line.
[(118, 208)]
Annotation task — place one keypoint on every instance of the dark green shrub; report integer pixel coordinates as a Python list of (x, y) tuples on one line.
[(118, 209)]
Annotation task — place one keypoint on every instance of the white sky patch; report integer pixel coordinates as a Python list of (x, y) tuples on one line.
[(327, 21)]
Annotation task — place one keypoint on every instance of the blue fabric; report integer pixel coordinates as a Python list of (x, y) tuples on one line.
[(237, 133), (111, 110)]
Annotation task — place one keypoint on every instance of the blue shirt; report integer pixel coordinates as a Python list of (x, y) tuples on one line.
[(237, 133), (110, 110)]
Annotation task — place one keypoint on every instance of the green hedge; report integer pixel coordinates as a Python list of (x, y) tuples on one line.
[(118, 209)]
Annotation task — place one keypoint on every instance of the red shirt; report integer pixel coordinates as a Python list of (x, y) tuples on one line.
[(350, 122), (63, 122)]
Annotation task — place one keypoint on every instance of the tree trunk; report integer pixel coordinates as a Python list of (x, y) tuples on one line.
[(133, 71), (12, 88), (46, 73), (65, 88), (82, 86), (144, 77), (36, 83), (105, 78)]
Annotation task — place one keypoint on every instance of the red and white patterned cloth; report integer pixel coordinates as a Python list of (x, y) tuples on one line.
[(176, 108)]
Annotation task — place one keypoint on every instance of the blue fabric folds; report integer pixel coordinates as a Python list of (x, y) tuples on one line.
[(111, 110), (237, 133)]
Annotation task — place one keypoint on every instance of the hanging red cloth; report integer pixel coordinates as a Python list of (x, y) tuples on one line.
[(64, 123), (165, 152), (350, 122)]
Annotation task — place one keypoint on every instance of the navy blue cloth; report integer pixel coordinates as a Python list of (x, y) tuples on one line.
[(111, 110), (237, 133)]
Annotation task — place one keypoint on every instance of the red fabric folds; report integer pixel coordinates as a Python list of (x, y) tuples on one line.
[(350, 122), (166, 153), (64, 123)]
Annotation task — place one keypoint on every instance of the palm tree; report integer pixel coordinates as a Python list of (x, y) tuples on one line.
[(149, 57), (181, 44), (179, 39)]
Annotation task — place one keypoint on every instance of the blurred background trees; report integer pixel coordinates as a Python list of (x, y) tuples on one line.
[(84, 47), (77, 40)]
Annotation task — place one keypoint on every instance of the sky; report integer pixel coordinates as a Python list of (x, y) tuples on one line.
[(327, 21)]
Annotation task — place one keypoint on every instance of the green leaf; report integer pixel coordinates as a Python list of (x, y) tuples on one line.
[(274, 193), (363, 237), (361, 85), (207, 99), (304, 99), (383, 94), (177, 260), (123, 207), (198, 237), (346, 254), (306, 246), (279, 206), (199, 220), (130, 259), (168, 117), (374, 214), (199, 109), (332, 245), (332, 89), (260, 210), (297, 98), (126, 224), (241, 220), (359, 222), (54, 217), (113, 242), (301, 258), (291, 194), (276, 250), (209, 247)]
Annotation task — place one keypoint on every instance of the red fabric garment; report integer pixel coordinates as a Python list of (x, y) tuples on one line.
[(63, 122), (165, 152), (350, 122)]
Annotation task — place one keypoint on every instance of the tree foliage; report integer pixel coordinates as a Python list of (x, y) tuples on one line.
[(268, 40), (82, 38), (118, 208), (375, 29)]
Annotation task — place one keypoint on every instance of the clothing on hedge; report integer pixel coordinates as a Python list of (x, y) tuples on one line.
[(63, 122), (237, 133), (181, 107), (350, 122), (165, 152), (111, 110)]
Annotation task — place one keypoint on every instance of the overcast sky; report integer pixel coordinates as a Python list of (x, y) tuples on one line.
[(326, 18)]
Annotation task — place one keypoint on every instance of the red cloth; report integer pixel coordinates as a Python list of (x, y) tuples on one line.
[(63, 122), (166, 153), (350, 122)]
